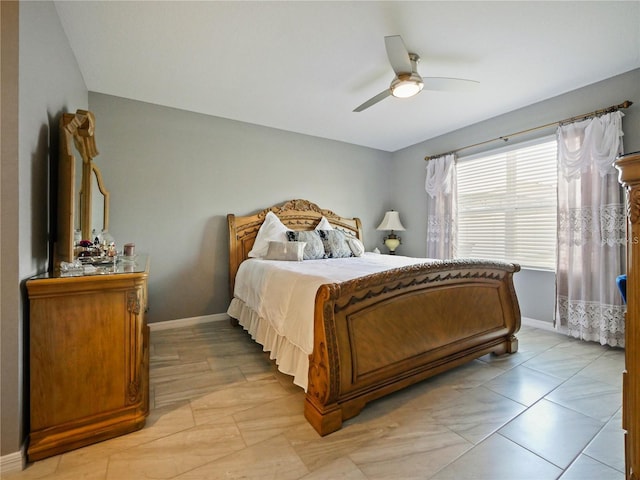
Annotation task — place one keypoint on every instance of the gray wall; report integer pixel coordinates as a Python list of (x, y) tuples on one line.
[(174, 175), (536, 289), (49, 83), (10, 408)]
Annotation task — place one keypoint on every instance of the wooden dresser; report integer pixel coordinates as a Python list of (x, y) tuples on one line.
[(88, 357), (629, 174)]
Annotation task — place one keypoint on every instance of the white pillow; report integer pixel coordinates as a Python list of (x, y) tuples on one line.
[(324, 224), (356, 246), (272, 229), (293, 251)]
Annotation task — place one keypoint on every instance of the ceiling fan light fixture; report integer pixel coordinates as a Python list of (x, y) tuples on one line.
[(405, 86), (407, 82)]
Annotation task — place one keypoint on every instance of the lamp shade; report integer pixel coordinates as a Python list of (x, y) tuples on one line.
[(391, 221)]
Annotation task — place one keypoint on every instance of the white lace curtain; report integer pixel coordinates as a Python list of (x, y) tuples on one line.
[(591, 231), (441, 206)]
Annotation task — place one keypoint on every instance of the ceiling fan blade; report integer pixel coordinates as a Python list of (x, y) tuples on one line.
[(450, 84), (398, 54), (373, 101)]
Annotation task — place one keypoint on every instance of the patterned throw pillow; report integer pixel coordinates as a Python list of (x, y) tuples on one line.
[(357, 247), (314, 249), (335, 243)]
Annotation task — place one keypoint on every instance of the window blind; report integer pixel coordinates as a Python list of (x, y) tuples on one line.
[(507, 205)]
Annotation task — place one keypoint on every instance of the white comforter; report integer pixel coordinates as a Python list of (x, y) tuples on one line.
[(274, 301)]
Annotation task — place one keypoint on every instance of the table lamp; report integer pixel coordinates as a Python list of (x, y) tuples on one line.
[(391, 222)]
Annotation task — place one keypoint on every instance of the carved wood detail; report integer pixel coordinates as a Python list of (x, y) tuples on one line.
[(629, 176), (416, 275), (324, 376), (633, 203), (318, 387), (136, 345)]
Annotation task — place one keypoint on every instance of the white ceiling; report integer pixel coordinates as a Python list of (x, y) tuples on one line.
[(304, 66)]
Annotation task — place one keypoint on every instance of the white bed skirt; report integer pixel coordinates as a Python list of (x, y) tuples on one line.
[(290, 359)]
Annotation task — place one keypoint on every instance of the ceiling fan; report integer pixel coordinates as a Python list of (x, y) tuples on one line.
[(407, 82)]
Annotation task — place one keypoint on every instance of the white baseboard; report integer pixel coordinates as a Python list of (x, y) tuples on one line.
[(188, 322), (14, 462), (541, 324)]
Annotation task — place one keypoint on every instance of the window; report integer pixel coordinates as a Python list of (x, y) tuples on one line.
[(507, 204)]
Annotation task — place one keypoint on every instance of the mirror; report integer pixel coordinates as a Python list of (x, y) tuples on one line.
[(83, 201), (99, 202), (97, 208)]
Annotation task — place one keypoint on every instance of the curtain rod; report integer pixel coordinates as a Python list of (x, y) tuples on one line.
[(613, 108)]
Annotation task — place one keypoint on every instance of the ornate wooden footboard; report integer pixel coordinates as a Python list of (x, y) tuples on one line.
[(382, 332)]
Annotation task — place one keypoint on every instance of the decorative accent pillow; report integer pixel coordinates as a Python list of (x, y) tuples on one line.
[(356, 246), (335, 243), (293, 251), (314, 249), (324, 224), (272, 229)]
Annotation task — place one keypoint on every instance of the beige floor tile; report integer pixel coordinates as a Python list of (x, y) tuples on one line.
[(170, 456), (469, 375), (415, 450), (607, 368), (194, 386), (254, 368), (270, 419), (497, 458), (586, 468), (427, 395), (523, 385), (552, 431), (236, 398), (608, 445), (95, 470), (164, 356), (578, 348), (538, 340), (41, 469), (557, 362), (273, 458), (341, 469), (475, 413), (316, 451), (591, 397), (168, 373)]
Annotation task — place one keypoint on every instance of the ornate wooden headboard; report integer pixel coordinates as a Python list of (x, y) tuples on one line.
[(295, 214)]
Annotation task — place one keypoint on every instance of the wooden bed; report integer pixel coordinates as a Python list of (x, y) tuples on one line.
[(382, 332)]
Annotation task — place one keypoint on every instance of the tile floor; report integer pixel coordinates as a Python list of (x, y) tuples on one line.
[(221, 410)]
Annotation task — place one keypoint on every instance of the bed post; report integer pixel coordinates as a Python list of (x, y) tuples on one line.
[(320, 407)]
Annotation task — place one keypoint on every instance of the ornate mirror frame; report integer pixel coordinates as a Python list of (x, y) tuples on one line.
[(77, 144)]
